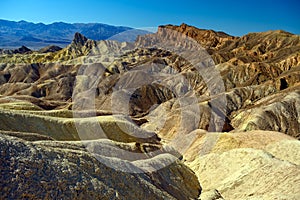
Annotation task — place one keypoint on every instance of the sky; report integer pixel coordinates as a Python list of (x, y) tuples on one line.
[(233, 17)]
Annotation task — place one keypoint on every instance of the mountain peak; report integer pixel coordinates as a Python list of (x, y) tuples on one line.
[(207, 38), (183, 25), (23, 49), (79, 39)]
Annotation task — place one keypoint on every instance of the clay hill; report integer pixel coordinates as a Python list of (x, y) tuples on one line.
[(184, 113)]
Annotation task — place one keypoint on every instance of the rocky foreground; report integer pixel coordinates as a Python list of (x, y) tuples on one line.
[(184, 113)]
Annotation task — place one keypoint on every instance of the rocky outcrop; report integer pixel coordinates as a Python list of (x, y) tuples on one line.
[(48, 169), (79, 39), (277, 112), (207, 38)]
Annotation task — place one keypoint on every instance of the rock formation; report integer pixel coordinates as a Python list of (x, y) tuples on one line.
[(49, 169), (226, 107)]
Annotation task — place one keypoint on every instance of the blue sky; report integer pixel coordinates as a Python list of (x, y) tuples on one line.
[(233, 17)]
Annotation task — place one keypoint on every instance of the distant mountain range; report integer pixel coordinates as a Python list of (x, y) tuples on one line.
[(38, 35)]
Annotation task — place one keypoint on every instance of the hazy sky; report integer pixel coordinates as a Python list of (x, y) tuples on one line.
[(234, 17)]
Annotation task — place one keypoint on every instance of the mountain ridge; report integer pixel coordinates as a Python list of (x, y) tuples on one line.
[(38, 35)]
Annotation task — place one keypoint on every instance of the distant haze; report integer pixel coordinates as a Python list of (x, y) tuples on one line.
[(35, 36)]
